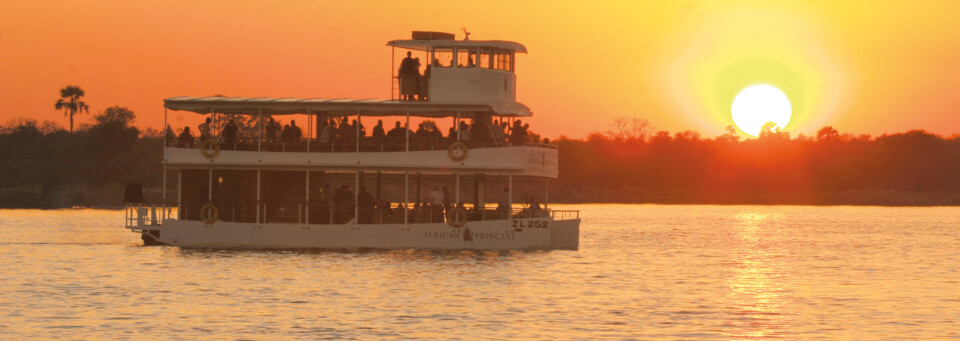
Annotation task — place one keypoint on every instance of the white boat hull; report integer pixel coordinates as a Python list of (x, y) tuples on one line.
[(527, 233)]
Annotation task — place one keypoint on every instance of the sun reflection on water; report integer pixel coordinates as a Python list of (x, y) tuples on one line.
[(757, 301)]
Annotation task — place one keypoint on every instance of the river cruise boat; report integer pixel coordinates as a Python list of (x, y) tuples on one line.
[(356, 173)]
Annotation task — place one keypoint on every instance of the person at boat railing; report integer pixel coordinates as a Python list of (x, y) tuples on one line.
[(230, 133), (409, 74), (291, 133), (205, 130), (185, 140), (272, 127), (378, 136)]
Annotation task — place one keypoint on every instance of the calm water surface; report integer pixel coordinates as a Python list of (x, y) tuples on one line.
[(642, 272)]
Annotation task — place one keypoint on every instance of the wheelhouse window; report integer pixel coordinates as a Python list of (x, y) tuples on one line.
[(467, 57), (442, 57), (486, 59), (504, 61)]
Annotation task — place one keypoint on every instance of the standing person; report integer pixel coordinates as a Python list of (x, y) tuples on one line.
[(230, 133), (285, 134), (379, 134), (295, 132), (271, 128), (185, 138), (205, 129)]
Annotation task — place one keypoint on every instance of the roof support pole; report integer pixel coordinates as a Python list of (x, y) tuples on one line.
[(406, 196), (165, 137), (258, 196), (358, 131), (180, 193), (309, 127), (457, 125), (163, 196), (356, 194), (306, 217), (393, 57), (406, 131), (456, 194), (210, 187), (259, 139)]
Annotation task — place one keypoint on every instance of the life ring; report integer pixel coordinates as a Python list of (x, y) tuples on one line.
[(209, 214), (457, 151), (457, 217), (207, 145)]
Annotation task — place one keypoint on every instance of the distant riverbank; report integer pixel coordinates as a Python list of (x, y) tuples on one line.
[(112, 197)]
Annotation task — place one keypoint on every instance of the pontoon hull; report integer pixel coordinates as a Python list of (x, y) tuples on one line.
[(533, 233)]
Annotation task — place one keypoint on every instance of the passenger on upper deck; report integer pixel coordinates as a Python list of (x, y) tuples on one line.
[(397, 135), (271, 128), (185, 138), (291, 133), (378, 134), (409, 74), (230, 133), (205, 129)]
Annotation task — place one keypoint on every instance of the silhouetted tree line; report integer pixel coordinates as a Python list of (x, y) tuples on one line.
[(43, 165), (632, 164)]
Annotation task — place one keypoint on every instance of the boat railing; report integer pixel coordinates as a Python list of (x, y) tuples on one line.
[(326, 212), (140, 216), (366, 145)]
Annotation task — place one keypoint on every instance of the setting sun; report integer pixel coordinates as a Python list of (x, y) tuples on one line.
[(759, 104)]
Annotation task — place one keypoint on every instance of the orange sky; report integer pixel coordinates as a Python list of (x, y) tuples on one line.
[(860, 66)]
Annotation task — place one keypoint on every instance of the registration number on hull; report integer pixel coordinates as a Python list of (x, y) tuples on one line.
[(537, 224)]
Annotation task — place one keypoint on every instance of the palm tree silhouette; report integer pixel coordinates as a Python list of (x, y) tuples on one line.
[(70, 102)]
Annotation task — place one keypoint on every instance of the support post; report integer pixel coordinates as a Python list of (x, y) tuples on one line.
[(510, 196), (180, 193), (457, 122), (259, 138), (309, 127), (306, 218), (406, 131), (356, 195), (358, 134), (406, 196), (456, 194), (258, 196), (210, 187)]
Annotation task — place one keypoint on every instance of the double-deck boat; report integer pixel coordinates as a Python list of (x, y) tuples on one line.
[(247, 183)]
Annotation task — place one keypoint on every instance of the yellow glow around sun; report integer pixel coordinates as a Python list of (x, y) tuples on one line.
[(758, 104)]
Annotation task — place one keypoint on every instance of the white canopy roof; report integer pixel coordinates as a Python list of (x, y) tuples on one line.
[(343, 106), (423, 45)]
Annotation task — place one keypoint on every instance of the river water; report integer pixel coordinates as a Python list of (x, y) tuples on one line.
[(642, 272)]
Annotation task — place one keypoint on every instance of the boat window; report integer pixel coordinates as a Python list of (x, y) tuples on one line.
[(485, 59), (508, 61), (466, 57), (442, 57)]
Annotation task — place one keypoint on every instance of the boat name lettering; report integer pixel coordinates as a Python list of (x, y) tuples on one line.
[(506, 235)]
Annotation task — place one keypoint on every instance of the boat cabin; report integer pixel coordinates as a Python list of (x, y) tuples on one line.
[(434, 67)]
